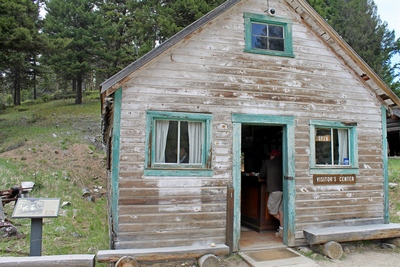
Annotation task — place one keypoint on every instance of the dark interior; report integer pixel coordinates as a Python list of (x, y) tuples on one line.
[(257, 142)]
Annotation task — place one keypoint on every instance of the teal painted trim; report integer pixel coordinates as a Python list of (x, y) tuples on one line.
[(385, 166), (249, 18), (288, 156), (289, 194), (255, 119), (156, 172), (236, 183), (152, 169), (338, 170), (353, 148), (115, 157)]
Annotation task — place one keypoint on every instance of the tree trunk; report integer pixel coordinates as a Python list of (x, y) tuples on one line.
[(78, 99), (17, 87)]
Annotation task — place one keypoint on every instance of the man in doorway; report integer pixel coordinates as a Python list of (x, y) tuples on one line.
[(271, 171)]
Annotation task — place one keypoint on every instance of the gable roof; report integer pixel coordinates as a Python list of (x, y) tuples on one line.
[(310, 17)]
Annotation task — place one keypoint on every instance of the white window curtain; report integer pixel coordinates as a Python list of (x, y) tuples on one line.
[(195, 131), (343, 143), (161, 140)]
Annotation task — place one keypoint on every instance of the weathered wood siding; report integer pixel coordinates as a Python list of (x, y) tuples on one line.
[(209, 72)]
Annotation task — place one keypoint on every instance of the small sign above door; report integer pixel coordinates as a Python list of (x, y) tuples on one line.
[(325, 179)]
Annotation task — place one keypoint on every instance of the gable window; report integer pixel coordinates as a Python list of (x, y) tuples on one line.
[(177, 143), (268, 35), (333, 147)]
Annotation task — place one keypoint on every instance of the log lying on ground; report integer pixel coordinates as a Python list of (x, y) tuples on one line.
[(330, 249)]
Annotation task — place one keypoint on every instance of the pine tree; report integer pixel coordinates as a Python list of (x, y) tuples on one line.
[(20, 43), (358, 23), (75, 23)]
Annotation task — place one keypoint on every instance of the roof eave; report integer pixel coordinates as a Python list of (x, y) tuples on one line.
[(118, 77), (366, 70)]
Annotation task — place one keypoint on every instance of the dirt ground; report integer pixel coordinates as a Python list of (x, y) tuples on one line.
[(368, 257)]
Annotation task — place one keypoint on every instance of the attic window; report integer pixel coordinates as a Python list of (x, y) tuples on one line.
[(267, 35)]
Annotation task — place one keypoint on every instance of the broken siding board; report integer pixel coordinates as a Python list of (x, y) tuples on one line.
[(169, 243), (190, 191), (140, 227), (338, 216), (170, 200), (338, 202), (162, 218), (172, 234)]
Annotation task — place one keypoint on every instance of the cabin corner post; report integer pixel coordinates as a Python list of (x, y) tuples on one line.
[(116, 131), (385, 166), (236, 181)]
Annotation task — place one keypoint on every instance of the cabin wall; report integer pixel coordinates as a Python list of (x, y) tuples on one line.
[(208, 72)]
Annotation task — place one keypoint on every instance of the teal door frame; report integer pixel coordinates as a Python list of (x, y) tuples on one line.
[(288, 152)]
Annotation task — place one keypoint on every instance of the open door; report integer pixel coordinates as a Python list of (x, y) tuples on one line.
[(255, 216)]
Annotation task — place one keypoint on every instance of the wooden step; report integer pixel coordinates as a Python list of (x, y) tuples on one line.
[(81, 260), (351, 233)]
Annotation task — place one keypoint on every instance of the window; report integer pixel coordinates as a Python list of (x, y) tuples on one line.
[(268, 35), (333, 147), (177, 141)]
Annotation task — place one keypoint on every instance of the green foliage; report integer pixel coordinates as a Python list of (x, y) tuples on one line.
[(358, 23), (80, 228)]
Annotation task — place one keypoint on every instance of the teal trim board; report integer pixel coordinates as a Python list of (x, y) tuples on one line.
[(288, 150), (385, 166), (115, 157)]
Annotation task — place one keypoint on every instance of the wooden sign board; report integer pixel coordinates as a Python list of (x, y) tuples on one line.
[(323, 138), (36, 208), (326, 179)]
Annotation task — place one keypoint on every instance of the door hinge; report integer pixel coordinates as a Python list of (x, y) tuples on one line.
[(288, 177)]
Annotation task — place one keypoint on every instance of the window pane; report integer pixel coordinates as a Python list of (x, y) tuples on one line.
[(323, 148), (259, 42), (259, 29), (276, 44), (275, 31), (331, 146), (177, 144)]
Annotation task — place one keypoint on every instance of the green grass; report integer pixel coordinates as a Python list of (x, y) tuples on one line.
[(40, 137)]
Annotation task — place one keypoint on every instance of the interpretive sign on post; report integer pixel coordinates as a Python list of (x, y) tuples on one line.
[(36, 209)]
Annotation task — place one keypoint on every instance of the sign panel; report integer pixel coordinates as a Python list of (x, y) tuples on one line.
[(326, 179), (36, 208), (323, 138)]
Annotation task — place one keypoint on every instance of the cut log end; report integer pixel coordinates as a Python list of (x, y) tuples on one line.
[(330, 249), (333, 250), (127, 261)]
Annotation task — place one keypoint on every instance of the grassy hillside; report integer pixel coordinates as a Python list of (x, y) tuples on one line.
[(57, 145)]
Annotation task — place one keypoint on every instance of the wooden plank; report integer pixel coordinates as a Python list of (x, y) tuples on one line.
[(351, 233), (77, 260), (160, 254), (230, 217)]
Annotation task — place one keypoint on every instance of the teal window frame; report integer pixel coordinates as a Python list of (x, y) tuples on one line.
[(352, 168), (250, 18), (154, 169)]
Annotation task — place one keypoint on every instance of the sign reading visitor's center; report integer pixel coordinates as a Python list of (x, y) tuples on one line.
[(326, 179)]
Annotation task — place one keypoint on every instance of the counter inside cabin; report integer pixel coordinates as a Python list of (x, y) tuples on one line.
[(254, 211)]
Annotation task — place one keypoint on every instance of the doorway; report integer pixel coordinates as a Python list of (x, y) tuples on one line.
[(254, 136), (258, 227)]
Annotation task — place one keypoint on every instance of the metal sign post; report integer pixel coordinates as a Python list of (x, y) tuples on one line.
[(36, 209)]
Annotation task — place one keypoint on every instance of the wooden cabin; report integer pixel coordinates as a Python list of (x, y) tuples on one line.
[(248, 77)]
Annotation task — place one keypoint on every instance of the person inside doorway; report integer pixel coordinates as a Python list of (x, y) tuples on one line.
[(271, 171)]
